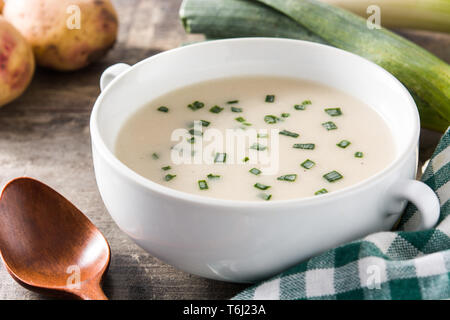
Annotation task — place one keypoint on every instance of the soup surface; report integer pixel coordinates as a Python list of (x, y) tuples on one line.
[(256, 139)]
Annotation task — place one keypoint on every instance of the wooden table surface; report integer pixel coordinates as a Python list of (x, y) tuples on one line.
[(45, 135)]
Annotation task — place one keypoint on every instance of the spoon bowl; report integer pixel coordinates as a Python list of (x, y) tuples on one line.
[(48, 245)]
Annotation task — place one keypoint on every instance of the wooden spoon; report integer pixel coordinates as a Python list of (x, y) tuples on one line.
[(48, 245)]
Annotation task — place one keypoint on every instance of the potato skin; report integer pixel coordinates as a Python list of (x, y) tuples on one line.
[(16, 63), (44, 23), (2, 4)]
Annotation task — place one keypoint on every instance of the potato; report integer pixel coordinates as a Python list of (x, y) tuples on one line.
[(16, 63), (65, 34)]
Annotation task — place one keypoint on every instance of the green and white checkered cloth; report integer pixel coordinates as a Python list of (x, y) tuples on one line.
[(385, 265)]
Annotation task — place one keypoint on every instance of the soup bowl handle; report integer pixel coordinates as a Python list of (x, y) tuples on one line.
[(111, 73), (423, 197)]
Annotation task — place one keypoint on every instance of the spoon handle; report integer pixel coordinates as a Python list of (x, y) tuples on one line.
[(92, 292)]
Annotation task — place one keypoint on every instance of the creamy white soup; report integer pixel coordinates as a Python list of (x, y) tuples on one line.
[(256, 139)]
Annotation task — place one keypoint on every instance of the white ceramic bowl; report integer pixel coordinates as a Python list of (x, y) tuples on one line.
[(247, 241)]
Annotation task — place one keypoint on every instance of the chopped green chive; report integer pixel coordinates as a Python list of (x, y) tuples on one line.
[(308, 164), (265, 196), (155, 156), (163, 109), (166, 168), (289, 134), (329, 125), (233, 102), (334, 112), (246, 159), (288, 177), (285, 115), (303, 105), (202, 185), (216, 109), (255, 171), (270, 98), (306, 146), (220, 158), (321, 191), (169, 177), (262, 135), (205, 123), (359, 154), (247, 124), (270, 119), (191, 140), (235, 109), (195, 132), (261, 186), (213, 176), (333, 176), (239, 119), (194, 106), (257, 146), (343, 144)]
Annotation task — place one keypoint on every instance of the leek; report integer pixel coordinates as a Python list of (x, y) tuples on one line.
[(237, 18), (433, 15)]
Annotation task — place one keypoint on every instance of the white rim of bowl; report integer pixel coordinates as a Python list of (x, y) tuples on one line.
[(134, 177)]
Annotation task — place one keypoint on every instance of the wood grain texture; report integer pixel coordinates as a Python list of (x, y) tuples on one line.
[(45, 135), (43, 237)]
